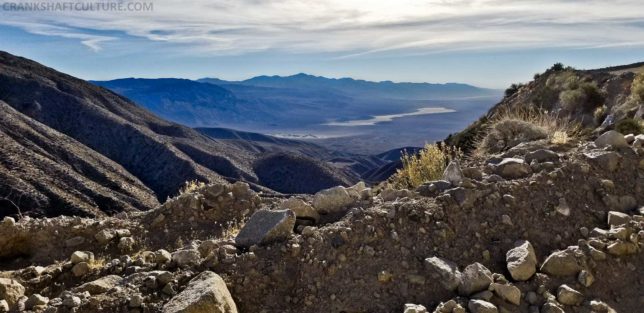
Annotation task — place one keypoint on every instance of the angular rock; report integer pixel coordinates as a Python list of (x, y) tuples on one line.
[(512, 168), (4, 306), (473, 173), (507, 292), (551, 307), (100, 285), (474, 278), (569, 296), (301, 209), (608, 160), (81, 256), (618, 218), (265, 227), (443, 271), (621, 248), (11, 291), (562, 263), (105, 236), (415, 308), (35, 300), (390, 194), (162, 256), (453, 173), (206, 293), (433, 188), (186, 258), (480, 306), (611, 138), (81, 269), (333, 200), (541, 155), (521, 261)]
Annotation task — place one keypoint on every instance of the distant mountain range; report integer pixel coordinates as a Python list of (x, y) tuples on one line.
[(260, 103)]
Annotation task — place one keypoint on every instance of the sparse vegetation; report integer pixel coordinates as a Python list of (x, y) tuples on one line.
[(557, 67), (514, 88), (427, 165), (580, 95), (191, 186), (512, 127), (600, 114), (637, 89), (630, 126)]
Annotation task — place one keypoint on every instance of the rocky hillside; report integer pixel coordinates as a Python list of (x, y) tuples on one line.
[(112, 155), (541, 227)]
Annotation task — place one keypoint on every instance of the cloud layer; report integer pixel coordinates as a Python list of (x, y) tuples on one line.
[(352, 28)]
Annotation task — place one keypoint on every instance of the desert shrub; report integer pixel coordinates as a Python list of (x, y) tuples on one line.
[(600, 114), (427, 165), (637, 89), (579, 95), (514, 88), (557, 67), (630, 126), (191, 186), (511, 127)]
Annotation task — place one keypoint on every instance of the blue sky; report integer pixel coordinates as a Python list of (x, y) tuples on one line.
[(489, 43)]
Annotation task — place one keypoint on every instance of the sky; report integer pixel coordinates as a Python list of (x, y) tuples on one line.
[(488, 43)]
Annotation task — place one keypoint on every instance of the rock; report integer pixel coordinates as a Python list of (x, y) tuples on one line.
[(569, 296), (618, 218), (512, 168), (507, 292), (162, 256), (4, 306), (265, 227), (71, 301), (81, 256), (453, 173), (608, 160), (206, 293), (585, 278), (521, 260), (483, 295), (390, 194), (621, 248), (562, 263), (611, 138), (541, 155), (136, 301), (433, 188), (480, 306), (333, 200), (301, 209), (551, 307), (415, 308), (638, 142), (463, 196), (473, 173), (75, 241), (186, 258), (11, 291), (100, 285), (105, 236), (36, 300), (474, 278), (81, 269), (126, 244), (630, 138), (443, 271), (165, 277)]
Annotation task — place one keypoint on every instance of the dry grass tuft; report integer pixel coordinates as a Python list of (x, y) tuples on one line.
[(191, 186), (637, 89), (511, 127), (427, 165)]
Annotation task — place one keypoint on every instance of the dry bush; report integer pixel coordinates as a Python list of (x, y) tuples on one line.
[(511, 127), (427, 165), (191, 186), (630, 126), (637, 89)]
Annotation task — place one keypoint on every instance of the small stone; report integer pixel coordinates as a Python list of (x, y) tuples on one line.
[(11, 291), (4, 306), (569, 296), (618, 218), (415, 308), (621, 248), (105, 236), (585, 278), (72, 301), (611, 138), (453, 173), (474, 278), (126, 244), (507, 292), (168, 289), (205, 293), (562, 263), (551, 307), (301, 209), (483, 295), (186, 258), (541, 155), (165, 277), (136, 301), (532, 297), (480, 306), (512, 168), (443, 271), (100, 285), (505, 219), (162, 256), (333, 200), (81, 256), (265, 227), (521, 260), (8, 221), (385, 276)]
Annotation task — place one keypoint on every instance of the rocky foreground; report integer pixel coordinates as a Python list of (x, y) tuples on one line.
[(540, 228)]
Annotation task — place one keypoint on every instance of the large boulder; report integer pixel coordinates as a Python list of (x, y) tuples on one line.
[(206, 293), (474, 278), (333, 200), (521, 260), (443, 271), (512, 168), (564, 263), (611, 138), (301, 209), (11, 291), (265, 227)]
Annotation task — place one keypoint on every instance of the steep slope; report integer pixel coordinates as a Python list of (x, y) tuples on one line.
[(51, 174), (162, 155)]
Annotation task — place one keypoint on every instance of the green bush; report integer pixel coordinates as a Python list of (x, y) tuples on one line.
[(557, 67), (583, 96), (514, 88), (630, 126)]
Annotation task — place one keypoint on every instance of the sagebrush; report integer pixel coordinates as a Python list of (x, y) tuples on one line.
[(427, 165)]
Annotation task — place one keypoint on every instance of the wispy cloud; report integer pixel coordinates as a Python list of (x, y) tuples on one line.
[(354, 28)]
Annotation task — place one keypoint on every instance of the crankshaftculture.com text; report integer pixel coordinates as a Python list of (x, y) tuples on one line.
[(53, 6)]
